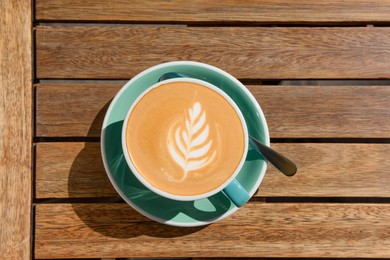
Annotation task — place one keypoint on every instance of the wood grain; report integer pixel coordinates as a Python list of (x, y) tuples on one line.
[(269, 11), (71, 170), (331, 170), (75, 170), (252, 52), (16, 129), (72, 110), (291, 111), (257, 229), (325, 111)]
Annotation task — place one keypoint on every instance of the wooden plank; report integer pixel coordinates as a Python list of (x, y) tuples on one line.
[(80, 107), (75, 170), (269, 11), (332, 170), (16, 129), (252, 52), (257, 229), (71, 170), (291, 111), (325, 111)]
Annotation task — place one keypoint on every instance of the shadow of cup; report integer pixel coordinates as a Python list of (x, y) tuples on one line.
[(99, 206)]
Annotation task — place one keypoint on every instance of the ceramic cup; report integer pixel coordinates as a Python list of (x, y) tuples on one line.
[(136, 145), (150, 204)]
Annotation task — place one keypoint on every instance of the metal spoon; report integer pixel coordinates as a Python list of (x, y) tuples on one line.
[(283, 164)]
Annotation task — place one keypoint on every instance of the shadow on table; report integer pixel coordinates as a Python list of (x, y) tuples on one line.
[(98, 205)]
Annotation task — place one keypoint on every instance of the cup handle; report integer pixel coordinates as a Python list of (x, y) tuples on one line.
[(236, 193)]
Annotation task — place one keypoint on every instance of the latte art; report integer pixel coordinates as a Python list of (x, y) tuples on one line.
[(184, 138), (190, 145)]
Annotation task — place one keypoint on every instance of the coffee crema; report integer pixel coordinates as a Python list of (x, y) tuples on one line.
[(184, 138)]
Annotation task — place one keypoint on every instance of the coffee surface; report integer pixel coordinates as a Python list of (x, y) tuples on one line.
[(184, 138)]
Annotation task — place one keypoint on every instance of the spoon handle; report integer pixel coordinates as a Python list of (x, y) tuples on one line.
[(283, 164)]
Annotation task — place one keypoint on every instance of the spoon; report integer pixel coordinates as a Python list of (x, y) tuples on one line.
[(283, 164)]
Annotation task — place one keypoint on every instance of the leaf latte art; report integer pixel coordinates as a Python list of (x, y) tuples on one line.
[(184, 139), (189, 144)]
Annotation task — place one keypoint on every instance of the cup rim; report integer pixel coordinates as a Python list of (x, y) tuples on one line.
[(166, 194)]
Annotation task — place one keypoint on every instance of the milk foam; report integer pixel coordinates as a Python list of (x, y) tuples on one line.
[(190, 144), (184, 138)]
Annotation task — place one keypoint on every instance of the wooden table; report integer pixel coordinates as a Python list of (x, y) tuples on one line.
[(319, 70)]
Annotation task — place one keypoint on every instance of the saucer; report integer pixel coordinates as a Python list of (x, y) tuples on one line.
[(163, 210)]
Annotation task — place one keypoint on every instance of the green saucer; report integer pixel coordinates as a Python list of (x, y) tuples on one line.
[(167, 211)]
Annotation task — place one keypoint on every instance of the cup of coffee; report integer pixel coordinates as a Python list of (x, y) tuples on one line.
[(185, 139)]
